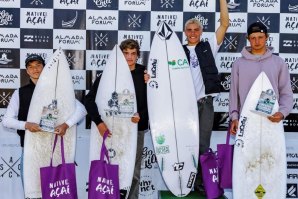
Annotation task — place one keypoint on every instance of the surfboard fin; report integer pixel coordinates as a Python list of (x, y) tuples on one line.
[(161, 164)]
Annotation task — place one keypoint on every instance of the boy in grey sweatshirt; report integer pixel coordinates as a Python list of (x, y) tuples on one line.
[(257, 58)]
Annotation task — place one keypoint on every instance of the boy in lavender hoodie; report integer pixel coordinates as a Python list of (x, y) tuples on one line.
[(257, 58)]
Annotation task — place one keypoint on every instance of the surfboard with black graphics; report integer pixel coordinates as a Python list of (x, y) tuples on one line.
[(173, 112), (259, 164), (116, 102)]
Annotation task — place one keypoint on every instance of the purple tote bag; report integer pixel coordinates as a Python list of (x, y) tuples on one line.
[(225, 163), (210, 174), (58, 182), (103, 176)]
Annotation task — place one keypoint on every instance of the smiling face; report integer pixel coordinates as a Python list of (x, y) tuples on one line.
[(257, 42), (34, 69), (193, 33)]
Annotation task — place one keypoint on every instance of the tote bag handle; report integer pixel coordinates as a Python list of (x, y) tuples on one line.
[(62, 150)]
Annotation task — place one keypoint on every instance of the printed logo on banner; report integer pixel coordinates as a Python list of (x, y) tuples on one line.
[(37, 38), (70, 4), (271, 21), (292, 156), (69, 19), (289, 23), (143, 59), (10, 78), (96, 60), (225, 81), (75, 39), (10, 3), (233, 42), (143, 37), (36, 18), (173, 19), (78, 79), (288, 43), (149, 160), (207, 20), (75, 59), (233, 5), (140, 5), (102, 4), (37, 4), (10, 18), (10, 167), (238, 22), (2, 112), (224, 61), (10, 39), (273, 41), (221, 121), (292, 190), (294, 82), (9, 58), (24, 53), (295, 103), (102, 20), (167, 5), (129, 20), (221, 102), (5, 95), (199, 5), (147, 187), (261, 6), (292, 176), (101, 40), (291, 60), (291, 123), (289, 6), (292, 165)]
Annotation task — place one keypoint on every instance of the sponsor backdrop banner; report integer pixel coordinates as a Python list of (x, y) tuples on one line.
[(88, 29)]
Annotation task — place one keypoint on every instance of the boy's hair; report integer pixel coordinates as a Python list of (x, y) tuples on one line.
[(195, 21), (130, 44)]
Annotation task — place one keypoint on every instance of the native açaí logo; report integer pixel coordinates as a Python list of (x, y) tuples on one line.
[(169, 19), (291, 22), (198, 3), (59, 188), (5, 18), (178, 64), (69, 2), (36, 17), (105, 186)]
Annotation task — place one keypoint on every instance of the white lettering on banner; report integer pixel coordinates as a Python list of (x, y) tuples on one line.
[(102, 3)]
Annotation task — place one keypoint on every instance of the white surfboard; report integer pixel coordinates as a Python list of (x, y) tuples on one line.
[(173, 112), (116, 102), (38, 146), (259, 165)]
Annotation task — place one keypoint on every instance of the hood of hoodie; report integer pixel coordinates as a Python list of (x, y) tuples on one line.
[(247, 55)]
